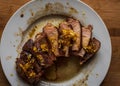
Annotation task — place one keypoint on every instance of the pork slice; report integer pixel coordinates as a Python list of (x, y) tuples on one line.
[(40, 43), (45, 59), (94, 46), (81, 53), (64, 48), (28, 46), (64, 25), (39, 36), (86, 35), (19, 70), (43, 51), (26, 69), (52, 35), (75, 24)]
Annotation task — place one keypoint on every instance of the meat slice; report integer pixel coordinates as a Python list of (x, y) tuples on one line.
[(28, 46), (75, 24), (52, 35), (28, 68), (63, 48), (86, 35), (44, 54), (47, 60), (81, 53), (40, 43), (34, 57), (38, 39), (64, 26), (67, 36), (91, 50)]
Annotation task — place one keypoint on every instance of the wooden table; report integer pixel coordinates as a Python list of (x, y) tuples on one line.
[(109, 10)]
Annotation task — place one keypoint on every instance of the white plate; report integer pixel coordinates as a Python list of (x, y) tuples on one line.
[(92, 74)]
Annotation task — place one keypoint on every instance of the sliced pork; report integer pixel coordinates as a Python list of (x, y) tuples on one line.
[(52, 35), (75, 24), (86, 35), (91, 50), (67, 36), (43, 51), (28, 68), (69, 39)]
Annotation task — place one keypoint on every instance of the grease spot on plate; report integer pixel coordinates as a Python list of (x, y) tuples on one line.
[(31, 12), (17, 40), (18, 50), (8, 57), (84, 17), (20, 32), (22, 15), (97, 75), (32, 32), (11, 75), (48, 6), (73, 10), (13, 45), (83, 13), (67, 3), (82, 82)]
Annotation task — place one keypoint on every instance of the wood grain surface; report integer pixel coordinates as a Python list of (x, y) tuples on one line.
[(109, 10)]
